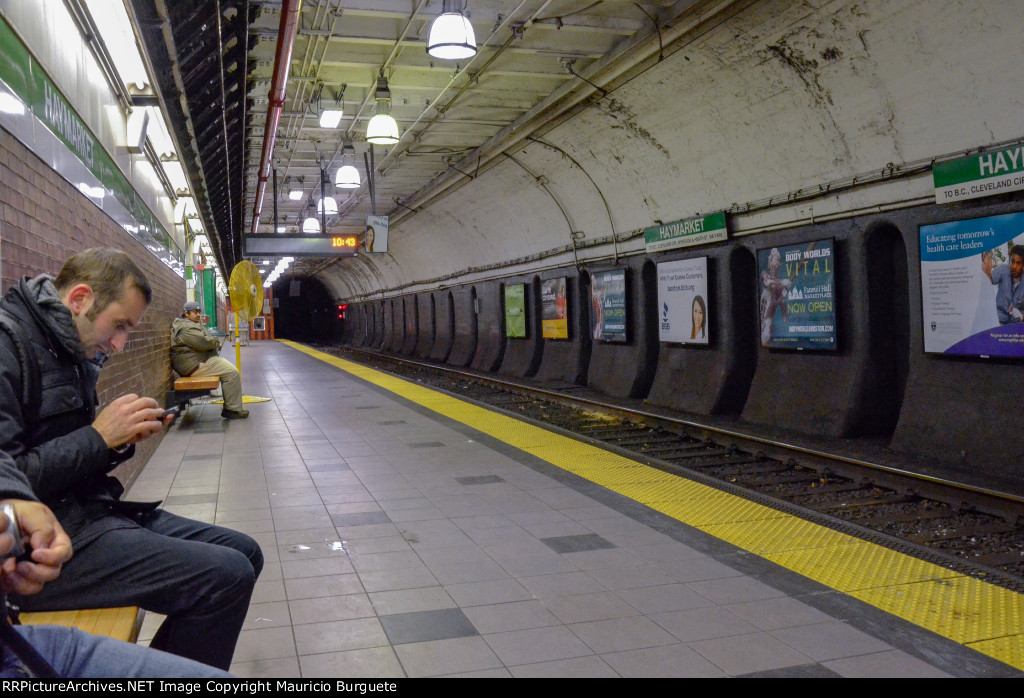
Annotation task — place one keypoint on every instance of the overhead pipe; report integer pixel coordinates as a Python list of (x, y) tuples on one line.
[(291, 12)]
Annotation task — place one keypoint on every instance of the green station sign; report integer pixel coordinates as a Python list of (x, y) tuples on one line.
[(983, 174), (687, 232), (25, 77)]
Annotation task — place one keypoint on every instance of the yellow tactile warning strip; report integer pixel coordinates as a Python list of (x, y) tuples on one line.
[(984, 617)]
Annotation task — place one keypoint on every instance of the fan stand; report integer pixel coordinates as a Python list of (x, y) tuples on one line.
[(238, 348)]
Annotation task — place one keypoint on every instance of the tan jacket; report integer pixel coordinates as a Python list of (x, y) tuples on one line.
[(191, 345)]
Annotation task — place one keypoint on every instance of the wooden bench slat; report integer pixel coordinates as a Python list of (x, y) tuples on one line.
[(119, 623), (197, 383)]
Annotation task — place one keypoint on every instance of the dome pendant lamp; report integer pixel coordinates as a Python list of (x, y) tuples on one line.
[(347, 176), (451, 35), (327, 205), (310, 224), (382, 129)]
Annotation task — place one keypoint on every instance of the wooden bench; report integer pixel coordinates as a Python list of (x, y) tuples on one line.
[(119, 623), (189, 388)]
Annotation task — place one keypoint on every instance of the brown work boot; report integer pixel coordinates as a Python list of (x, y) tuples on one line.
[(232, 414)]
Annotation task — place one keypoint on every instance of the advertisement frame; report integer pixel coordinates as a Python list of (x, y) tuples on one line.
[(967, 293), (775, 294), (521, 316), (700, 292), (550, 326), (597, 307)]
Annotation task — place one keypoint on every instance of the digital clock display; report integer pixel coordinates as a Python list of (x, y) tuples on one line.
[(299, 245)]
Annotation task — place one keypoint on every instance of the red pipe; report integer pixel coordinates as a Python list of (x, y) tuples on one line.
[(291, 12)]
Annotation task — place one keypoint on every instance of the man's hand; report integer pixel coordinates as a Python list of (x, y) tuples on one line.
[(128, 420), (51, 548), (987, 263)]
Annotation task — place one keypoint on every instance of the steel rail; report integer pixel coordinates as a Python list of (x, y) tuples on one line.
[(825, 458)]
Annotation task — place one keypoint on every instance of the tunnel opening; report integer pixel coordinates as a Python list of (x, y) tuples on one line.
[(306, 311)]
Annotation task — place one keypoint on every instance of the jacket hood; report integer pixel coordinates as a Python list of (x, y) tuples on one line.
[(37, 298)]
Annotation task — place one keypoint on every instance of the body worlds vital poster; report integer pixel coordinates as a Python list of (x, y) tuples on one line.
[(797, 302)]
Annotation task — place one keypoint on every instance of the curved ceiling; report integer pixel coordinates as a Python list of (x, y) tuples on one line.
[(577, 119), (538, 62)]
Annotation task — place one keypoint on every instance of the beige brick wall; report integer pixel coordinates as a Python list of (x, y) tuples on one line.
[(44, 220)]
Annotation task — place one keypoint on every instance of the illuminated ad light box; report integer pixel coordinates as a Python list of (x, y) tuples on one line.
[(798, 303), (279, 245), (515, 311), (683, 301), (609, 310), (971, 292), (375, 237), (554, 308)]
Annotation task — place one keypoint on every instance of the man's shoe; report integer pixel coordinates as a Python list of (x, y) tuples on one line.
[(231, 414)]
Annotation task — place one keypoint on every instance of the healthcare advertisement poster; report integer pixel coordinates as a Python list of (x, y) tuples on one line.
[(515, 311), (608, 315), (554, 309), (683, 301), (972, 297), (375, 237), (798, 301)]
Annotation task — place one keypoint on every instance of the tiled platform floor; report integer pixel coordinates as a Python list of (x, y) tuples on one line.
[(399, 543)]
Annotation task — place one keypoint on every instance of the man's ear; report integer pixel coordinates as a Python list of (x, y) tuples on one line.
[(79, 298)]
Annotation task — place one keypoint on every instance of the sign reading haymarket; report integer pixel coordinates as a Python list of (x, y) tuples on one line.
[(687, 232), (984, 174)]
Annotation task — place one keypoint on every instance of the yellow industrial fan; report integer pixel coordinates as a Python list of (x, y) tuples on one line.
[(245, 287)]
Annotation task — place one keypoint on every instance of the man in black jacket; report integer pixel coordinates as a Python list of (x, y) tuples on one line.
[(54, 337), (44, 651)]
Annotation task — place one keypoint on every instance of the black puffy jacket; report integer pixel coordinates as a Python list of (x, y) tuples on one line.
[(47, 406)]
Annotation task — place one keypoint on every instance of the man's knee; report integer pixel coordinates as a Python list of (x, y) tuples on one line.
[(251, 549), (233, 574)]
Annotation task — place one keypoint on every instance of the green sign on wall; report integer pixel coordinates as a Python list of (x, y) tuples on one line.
[(210, 297), (687, 232), (984, 174), (515, 310), (30, 83)]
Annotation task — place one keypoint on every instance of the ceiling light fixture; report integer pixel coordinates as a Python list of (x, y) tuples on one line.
[(327, 205), (382, 129), (310, 224), (451, 35), (347, 176), (295, 193), (331, 117)]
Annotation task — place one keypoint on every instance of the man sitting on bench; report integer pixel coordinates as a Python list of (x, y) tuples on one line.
[(54, 337), (194, 352)]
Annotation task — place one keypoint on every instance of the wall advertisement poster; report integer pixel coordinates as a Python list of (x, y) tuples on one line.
[(554, 309), (375, 237), (683, 301), (971, 292), (609, 311), (798, 302), (515, 311)]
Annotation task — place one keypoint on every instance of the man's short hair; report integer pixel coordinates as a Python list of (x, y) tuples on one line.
[(1017, 250), (106, 271)]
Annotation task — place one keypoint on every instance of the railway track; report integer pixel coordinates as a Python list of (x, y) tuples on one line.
[(975, 531)]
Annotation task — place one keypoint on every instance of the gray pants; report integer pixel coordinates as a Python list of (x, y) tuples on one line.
[(230, 380)]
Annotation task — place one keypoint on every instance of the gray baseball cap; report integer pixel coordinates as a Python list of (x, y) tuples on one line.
[(191, 305)]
